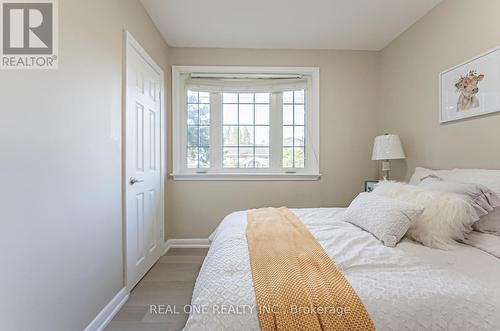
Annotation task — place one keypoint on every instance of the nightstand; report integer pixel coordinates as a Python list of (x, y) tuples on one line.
[(370, 185)]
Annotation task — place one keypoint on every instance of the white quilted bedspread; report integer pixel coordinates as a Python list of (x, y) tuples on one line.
[(409, 287)]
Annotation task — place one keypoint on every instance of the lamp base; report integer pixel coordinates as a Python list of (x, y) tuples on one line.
[(386, 166)]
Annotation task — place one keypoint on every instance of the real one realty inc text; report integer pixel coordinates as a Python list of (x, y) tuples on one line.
[(161, 309)]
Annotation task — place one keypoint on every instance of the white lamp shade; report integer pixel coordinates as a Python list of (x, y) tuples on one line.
[(387, 147)]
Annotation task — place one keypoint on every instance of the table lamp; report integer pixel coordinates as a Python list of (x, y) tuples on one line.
[(385, 148)]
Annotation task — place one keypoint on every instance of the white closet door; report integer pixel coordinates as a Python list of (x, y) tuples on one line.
[(143, 178)]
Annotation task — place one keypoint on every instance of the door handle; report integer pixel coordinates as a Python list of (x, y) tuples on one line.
[(134, 180)]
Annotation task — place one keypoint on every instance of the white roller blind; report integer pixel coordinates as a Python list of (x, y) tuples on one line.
[(245, 85)]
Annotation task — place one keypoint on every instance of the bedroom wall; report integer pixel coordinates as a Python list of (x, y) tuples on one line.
[(347, 116), (60, 143), (453, 32)]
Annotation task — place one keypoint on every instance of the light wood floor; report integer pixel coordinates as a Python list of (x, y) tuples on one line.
[(169, 282)]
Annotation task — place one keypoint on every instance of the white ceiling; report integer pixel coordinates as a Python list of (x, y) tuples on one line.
[(297, 24)]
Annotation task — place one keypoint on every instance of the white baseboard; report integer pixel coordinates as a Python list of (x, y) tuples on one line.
[(186, 243), (106, 315)]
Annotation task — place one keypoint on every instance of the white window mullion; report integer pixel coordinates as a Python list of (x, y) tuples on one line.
[(183, 128), (276, 131), (216, 132)]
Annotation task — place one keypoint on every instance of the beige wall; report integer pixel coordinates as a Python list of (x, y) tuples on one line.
[(347, 116), (452, 33), (60, 143)]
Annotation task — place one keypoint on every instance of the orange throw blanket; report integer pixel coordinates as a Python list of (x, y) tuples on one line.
[(297, 286)]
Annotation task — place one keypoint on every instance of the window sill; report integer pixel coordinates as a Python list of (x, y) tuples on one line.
[(246, 177)]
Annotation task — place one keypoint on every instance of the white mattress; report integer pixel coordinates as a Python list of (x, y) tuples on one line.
[(409, 287)]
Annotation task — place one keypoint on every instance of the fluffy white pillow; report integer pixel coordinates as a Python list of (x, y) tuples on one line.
[(386, 218), (446, 218)]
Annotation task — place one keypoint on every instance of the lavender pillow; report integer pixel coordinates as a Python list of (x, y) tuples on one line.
[(481, 198)]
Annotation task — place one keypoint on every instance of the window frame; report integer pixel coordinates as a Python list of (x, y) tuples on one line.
[(216, 171)]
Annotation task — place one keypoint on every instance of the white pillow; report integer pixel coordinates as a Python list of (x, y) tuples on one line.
[(488, 178), (446, 217), (386, 218), (424, 172)]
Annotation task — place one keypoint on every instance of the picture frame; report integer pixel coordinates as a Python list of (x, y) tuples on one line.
[(471, 88), (370, 185)]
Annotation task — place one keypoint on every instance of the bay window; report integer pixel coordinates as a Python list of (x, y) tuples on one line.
[(245, 123)]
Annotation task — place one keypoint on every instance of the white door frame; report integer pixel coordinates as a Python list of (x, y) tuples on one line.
[(131, 43)]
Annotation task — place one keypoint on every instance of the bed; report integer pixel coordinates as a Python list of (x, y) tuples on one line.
[(409, 287)]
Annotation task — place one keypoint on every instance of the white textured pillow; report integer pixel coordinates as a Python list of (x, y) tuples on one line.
[(446, 218), (386, 218)]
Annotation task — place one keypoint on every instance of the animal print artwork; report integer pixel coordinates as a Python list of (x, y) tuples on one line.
[(467, 89)]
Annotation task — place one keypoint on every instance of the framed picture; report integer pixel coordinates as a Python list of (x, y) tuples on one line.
[(471, 88), (370, 185)]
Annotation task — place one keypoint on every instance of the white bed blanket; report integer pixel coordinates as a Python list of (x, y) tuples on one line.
[(484, 241), (409, 287)]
